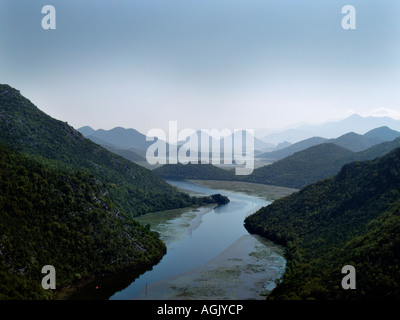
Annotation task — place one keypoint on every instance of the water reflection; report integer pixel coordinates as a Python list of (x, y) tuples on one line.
[(218, 229)]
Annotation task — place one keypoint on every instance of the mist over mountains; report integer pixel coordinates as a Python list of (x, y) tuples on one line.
[(354, 123), (351, 141), (293, 165), (118, 138), (68, 193), (302, 163), (355, 133), (69, 202)]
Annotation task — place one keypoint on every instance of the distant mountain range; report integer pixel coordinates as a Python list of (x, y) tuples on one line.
[(315, 163), (292, 148), (295, 171), (354, 123), (259, 145), (119, 139), (351, 141), (132, 144)]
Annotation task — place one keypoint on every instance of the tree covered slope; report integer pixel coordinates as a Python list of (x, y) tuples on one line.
[(51, 217), (132, 188), (303, 167), (352, 218), (295, 171), (68, 202)]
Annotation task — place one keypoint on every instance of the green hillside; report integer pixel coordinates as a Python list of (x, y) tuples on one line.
[(127, 154), (355, 142), (300, 169), (377, 150), (134, 189), (315, 163), (303, 167), (63, 219), (291, 149), (351, 141), (121, 138), (295, 171), (352, 218), (68, 202), (384, 133)]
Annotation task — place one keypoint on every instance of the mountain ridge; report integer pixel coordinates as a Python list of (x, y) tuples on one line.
[(351, 218), (63, 219), (332, 129), (350, 140), (68, 202), (134, 189), (295, 171)]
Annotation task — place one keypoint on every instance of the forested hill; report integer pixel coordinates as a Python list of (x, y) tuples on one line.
[(295, 171), (303, 167), (315, 163), (134, 189), (68, 202), (353, 219), (64, 219)]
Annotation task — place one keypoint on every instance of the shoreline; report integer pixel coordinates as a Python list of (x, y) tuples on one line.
[(230, 279), (264, 191), (247, 269), (67, 292), (174, 224)]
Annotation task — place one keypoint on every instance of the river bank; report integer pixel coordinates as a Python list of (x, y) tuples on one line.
[(246, 270), (267, 192), (210, 255), (175, 224)]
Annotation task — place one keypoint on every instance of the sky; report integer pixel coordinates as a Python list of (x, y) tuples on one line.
[(248, 64)]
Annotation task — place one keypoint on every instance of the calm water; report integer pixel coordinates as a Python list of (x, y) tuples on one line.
[(218, 230)]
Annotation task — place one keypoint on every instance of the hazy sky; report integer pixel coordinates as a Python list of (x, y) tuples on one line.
[(205, 63)]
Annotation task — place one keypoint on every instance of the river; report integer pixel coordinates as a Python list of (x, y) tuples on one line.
[(210, 255)]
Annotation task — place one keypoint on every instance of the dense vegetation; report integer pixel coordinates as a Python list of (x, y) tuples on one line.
[(303, 167), (65, 220), (214, 198), (119, 138), (351, 218), (315, 163), (295, 171), (134, 189), (355, 142), (127, 154), (296, 147), (67, 202)]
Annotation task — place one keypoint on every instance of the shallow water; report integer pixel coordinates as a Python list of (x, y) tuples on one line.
[(210, 255)]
